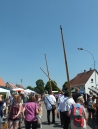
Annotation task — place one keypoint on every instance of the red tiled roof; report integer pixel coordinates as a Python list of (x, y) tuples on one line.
[(2, 83), (81, 78), (12, 85)]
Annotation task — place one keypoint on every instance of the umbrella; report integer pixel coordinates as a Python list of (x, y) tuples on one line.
[(18, 89)]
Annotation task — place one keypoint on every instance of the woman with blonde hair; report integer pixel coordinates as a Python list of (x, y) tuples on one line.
[(29, 113), (78, 115), (14, 114)]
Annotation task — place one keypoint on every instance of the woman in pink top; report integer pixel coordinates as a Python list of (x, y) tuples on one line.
[(29, 113)]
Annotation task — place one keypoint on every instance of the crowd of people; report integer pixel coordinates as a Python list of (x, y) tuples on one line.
[(74, 112), (21, 109)]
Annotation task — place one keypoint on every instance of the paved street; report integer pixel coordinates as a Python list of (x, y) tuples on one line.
[(52, 126)]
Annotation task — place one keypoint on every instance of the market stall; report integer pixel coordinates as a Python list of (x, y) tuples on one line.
[(5, 91)]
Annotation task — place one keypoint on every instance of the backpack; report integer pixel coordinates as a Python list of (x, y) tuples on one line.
[(78, 115)]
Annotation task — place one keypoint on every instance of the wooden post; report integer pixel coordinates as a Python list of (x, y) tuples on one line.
[(48, 73), (51, 80), (66, 65)]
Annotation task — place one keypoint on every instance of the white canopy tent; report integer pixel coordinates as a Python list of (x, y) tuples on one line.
[(18, 89), (29, 91), (5, 91)]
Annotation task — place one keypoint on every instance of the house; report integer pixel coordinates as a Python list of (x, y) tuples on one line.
[(85, 80), (10, 85), (2, 83), (19, 86)]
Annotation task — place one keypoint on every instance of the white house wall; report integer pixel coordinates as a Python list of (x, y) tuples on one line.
[(91, 83)]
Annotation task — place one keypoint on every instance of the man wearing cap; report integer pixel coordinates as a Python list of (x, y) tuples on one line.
[(64, 107)]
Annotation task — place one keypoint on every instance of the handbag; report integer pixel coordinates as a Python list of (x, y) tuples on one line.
[(39, 122), (53, 106)]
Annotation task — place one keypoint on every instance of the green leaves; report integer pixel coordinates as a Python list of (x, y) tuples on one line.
[(30, 87), (53, 84), (39, 86)]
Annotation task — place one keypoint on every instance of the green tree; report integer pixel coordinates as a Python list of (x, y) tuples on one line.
[(39, 86), (64, 85), (30, 87), (40, 82), (54, 86)]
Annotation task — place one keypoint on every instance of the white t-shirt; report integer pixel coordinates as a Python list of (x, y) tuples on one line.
[(65, 104), (60, 98), (51, 99)]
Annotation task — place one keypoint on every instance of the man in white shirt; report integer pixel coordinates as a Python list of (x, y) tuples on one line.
[(49, 101), (64, 107)]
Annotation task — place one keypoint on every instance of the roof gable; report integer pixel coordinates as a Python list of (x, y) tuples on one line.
[(2, 83), (19, 86), (11, 85), (81, 78)]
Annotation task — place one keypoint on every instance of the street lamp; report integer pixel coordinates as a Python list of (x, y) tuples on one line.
[(93, 60), (90, 53)]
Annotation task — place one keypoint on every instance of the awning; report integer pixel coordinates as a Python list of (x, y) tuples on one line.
[(93, 89)]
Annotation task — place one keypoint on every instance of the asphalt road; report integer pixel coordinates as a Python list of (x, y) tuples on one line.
[(57, 122)]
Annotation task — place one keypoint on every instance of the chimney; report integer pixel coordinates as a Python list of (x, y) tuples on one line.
[(90, 69), (84, 71)]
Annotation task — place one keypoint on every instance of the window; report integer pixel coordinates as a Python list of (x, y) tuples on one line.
[(91, 80)]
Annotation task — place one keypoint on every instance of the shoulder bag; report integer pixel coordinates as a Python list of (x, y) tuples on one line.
[(53, 106), (39, 123)]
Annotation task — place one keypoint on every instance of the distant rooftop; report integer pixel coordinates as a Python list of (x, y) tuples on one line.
[(81, 78), (2, 83)]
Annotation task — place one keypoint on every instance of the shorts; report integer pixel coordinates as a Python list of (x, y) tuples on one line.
[(16, 119), (91, 110)]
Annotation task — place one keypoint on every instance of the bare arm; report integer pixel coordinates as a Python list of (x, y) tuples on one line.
[(69, 112), (85, 115), (20, 106), (23, 112), (36, 111)]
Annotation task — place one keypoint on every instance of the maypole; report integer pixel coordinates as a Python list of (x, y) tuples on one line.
[(66, 65)]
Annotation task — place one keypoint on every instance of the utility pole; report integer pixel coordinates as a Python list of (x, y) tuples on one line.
[(48, 73), (66, 65)]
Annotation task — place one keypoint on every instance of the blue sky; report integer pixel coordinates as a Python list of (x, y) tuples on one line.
[(31, 28)]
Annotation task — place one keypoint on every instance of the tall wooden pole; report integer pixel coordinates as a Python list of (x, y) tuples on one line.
[(66, 65), (48, 73), (51, 80)]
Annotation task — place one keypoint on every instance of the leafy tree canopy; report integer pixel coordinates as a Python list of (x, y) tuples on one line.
[(64, 85), (53, 84), (40, 82), (39, 86), (30, 87)]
